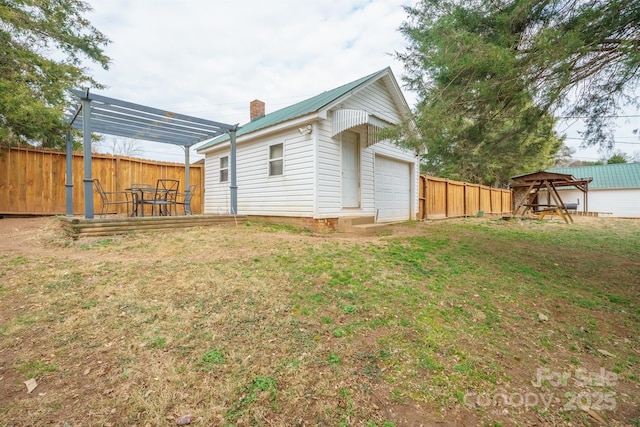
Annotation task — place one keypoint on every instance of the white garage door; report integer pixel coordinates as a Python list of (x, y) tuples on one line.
[(393, 190)]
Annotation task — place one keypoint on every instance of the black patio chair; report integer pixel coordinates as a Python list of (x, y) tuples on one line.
[(164, 197), (184, 199), (112, 198)]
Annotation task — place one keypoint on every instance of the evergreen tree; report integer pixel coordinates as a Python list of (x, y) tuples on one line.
[(490, 74), (42, 47), (618, 158)]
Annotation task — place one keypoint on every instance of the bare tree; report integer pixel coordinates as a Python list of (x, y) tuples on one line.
[(118, 145)]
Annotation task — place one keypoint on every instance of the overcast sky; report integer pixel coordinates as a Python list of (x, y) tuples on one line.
[(211, 58)]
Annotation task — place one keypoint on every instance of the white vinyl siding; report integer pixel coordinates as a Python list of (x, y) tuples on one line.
[(374, 99), (328, 191), (216, 194), (289, 194)]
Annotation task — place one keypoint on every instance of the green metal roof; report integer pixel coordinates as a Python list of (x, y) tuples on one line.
[(623, 175), (300, 109)]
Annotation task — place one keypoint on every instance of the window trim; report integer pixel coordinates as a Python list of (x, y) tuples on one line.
[(224, 170), (275, 159)]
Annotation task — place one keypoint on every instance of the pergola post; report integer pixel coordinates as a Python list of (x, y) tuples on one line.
[(187, 169), (69, 184), (232, 166), (86, 142)]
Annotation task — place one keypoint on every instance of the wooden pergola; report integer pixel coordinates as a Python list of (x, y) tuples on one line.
[(526, 193)]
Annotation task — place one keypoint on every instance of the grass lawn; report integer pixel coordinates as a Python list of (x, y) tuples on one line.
[(477, 322)]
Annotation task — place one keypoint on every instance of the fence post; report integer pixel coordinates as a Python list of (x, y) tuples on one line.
[(491, 200), (118, 183), (464, 199), (446, 199), (423, 199)]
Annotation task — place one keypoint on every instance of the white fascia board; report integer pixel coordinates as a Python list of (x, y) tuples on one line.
[(398, 96)]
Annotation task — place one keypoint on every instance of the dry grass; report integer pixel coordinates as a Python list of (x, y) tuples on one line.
[(264, 325)]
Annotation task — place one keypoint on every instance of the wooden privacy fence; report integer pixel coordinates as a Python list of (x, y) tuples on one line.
[(32, 182), (443, 198)]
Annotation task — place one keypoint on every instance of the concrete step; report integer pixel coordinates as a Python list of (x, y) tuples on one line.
[(347, 223), (369, 228)]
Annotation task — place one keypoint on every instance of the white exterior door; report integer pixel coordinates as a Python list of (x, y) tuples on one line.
[(350, 170), (393, 190)]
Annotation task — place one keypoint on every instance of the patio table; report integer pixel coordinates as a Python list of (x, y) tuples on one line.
[(139, 193), (163, 195)]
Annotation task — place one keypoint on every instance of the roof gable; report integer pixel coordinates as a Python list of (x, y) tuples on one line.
[(302, 108), (623, 175)]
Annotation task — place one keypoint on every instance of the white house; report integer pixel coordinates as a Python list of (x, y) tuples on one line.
[(319, 160), (614, 191)]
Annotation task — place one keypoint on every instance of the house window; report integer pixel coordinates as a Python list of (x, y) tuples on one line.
[(224, 169), (276, 153)]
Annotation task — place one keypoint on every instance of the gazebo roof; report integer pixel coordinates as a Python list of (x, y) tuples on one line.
[(116, 117), (540, 177), (534, 176)]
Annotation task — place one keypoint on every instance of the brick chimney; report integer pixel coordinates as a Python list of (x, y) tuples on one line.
[(256, 109)]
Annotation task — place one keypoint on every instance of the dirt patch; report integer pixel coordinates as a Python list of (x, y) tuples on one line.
[(27, 235)]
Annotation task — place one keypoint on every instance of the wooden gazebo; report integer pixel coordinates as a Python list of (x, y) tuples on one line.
[(527, 197)]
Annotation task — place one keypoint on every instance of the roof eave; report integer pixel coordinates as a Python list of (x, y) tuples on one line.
[(261, 133)]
